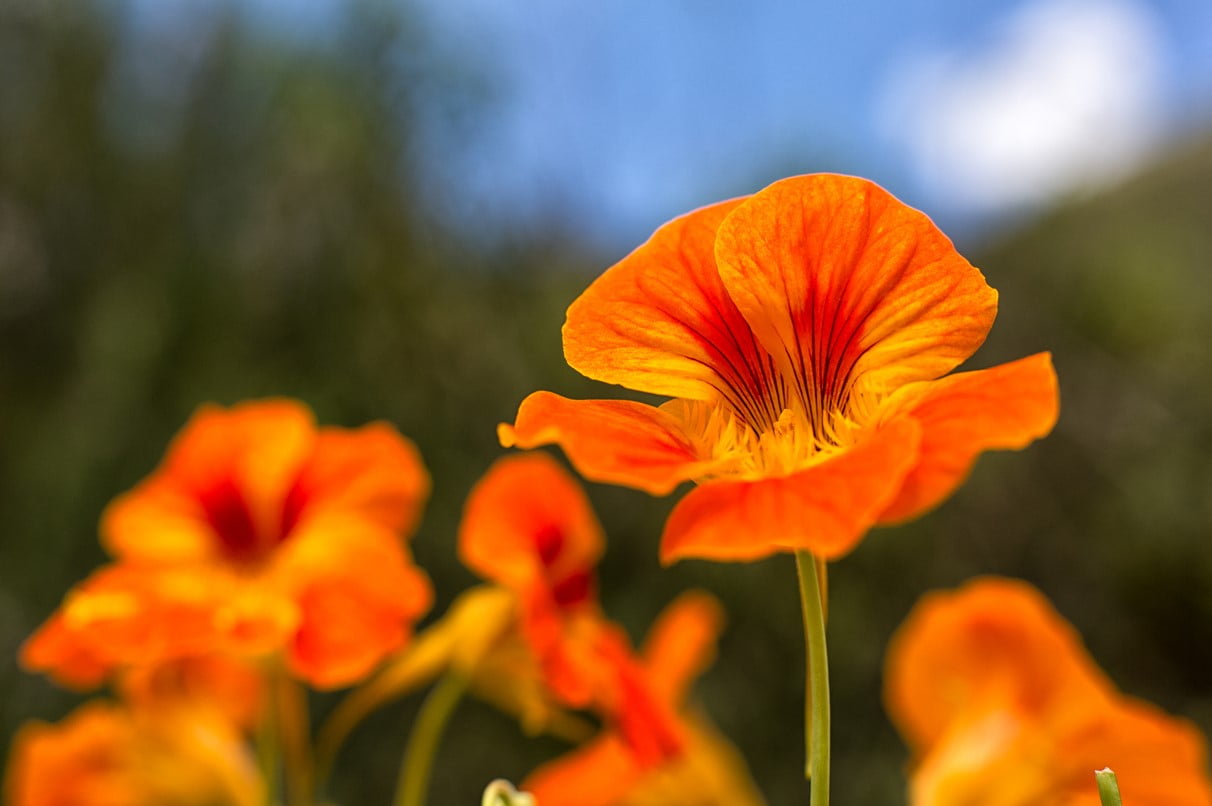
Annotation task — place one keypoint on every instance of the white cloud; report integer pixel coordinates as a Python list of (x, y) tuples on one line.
[(1065, 95)]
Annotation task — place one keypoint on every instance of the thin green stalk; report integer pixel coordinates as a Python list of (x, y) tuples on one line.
[(294, 739), (269, 745), (811, 572), (1108, 787), (435, 713)]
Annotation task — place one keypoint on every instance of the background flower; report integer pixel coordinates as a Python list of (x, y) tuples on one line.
[(1001, 704), (259, 534)]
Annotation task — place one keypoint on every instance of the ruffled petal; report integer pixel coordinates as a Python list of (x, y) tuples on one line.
[(125, 615), (528, 524), (1006, 407), (825, 509), (358, 595), (844, 284), (993, 639), (601, 773), (660, 321), (372, 471), (681, 643), (612, 441)]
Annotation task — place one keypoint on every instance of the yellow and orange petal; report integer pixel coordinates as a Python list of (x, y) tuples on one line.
[(1002, 705), (124, 616), (334, 601), (356, 594), (790, 327), (105, 755)]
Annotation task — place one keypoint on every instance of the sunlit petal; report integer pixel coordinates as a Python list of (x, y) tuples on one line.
[(1006, 407), (843, 283), (616, 441)]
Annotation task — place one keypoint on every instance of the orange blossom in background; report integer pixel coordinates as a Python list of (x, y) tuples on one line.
[(1002, 706), (259, 534), (528, 527), (183, 752), (803, 334)]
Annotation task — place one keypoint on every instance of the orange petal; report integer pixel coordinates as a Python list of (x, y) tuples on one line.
[(843, 282), (613, 441), (825, 509), (1006, 407), (59, 651), (358, 595), (660, 321), (681, 643), (992, 638), (127, 615), (1156, 757), (372, 471), (601, 773), (528, 522)]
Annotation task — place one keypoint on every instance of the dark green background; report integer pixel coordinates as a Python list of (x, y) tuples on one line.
[(263, 231)]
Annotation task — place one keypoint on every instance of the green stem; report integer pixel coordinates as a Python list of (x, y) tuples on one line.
[(294, 740), (269, 744), (413, 783), (1108, 787), (811, 571)]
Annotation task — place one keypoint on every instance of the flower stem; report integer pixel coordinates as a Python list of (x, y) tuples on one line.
[(294, 739), (1108, 787), (269, 743), (440, 703), (811, 572)]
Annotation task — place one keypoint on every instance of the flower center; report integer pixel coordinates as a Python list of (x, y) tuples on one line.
[(800, 437), (243, 540)]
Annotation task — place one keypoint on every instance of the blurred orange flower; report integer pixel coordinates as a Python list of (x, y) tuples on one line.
[(107, 755), (259, 533), (709, 773), (1002, 706), (802, 333), (528, 527)]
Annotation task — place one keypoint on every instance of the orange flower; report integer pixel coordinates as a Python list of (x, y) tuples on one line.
[(258, 534), (709, 772), (529, 528), (802, 333), (106, 755), (1002, 706)]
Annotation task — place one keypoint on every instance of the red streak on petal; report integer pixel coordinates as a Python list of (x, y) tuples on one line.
[(549, 542), (229, 516), (575, 589)]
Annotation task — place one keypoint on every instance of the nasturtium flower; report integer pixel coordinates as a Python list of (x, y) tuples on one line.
[(1002, 706), (710, 771), (105, 754), (802, 335), (528, 527), (259, 534)]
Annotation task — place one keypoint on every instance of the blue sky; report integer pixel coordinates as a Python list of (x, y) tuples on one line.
[(611, 116)]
